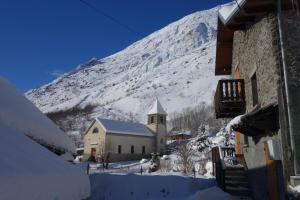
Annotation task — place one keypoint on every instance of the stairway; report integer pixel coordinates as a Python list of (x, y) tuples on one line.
[(236, 181)]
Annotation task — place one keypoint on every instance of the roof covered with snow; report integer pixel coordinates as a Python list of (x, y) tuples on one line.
[(157, 108), (126, 128), (20, 114), (29, 171), (229, 10)]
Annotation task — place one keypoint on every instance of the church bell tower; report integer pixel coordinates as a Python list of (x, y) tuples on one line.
[(157, 123)]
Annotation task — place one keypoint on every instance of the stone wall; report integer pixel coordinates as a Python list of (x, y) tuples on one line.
[(256, 50), (291, 39)]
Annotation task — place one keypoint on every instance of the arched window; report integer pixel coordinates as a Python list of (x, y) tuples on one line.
[(95, 130)]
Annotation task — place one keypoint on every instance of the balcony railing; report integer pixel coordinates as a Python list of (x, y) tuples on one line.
[(230, 98)]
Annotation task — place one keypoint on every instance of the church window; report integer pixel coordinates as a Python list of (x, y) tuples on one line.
[(152, 119), (161, 119), (95, 130), (132, 149), (143, 150), (119, 149)]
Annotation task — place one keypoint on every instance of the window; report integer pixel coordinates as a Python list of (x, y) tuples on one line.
[(161, 140), (95, 130), (161, 119), (93, 152), (246, 140), (254, 89), (143, 150), (152, 119), (119, 149), (132, 149)]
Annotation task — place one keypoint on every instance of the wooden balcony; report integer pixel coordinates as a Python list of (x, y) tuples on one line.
[(230, 98)]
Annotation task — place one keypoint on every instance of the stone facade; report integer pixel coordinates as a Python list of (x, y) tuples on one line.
[(255, 50)]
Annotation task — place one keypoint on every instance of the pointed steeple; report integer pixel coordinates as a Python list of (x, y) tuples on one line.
[(157, 108)]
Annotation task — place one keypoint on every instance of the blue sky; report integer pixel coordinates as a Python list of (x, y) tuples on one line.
[(40, 39)]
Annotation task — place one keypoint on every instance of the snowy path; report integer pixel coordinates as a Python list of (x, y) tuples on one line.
[(131, 186), (123, 181)]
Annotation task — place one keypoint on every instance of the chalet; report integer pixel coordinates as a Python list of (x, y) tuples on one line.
[(127, 140), (258, 47), (179, 135)]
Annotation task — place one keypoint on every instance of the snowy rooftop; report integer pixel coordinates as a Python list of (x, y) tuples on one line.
[(157, 109), (29, 171), (229, 10), (20, 114), (122, 127), (189, 133)]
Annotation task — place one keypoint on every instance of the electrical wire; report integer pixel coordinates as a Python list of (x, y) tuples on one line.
[(108, 16)]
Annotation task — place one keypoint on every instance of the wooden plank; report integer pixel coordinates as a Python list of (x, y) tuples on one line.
[(272, 179)]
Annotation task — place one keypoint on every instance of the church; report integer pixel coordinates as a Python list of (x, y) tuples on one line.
[(125, 141)]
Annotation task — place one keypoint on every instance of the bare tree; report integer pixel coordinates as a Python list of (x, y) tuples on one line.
[(185, 158)]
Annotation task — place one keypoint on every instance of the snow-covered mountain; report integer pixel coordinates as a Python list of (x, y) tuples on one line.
[(174, 64)]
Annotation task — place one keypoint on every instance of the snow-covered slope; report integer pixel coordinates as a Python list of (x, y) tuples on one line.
[(29, 171), (174, 64), (20, 114)]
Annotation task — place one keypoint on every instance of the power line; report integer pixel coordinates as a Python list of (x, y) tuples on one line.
[(115, 20)]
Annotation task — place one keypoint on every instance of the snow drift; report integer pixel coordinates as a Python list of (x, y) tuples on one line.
[(20, 114), (29, 171)]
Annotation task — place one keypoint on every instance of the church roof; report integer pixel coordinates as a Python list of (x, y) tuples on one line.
[(126, 128), (157, 109)]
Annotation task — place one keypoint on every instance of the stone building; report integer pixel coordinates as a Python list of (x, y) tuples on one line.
[(124, 141), (258, 46)]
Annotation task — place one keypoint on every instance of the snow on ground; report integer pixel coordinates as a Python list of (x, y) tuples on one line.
[(29, 171), (123, 181), (212, 193), (132, 186), (20, 114)]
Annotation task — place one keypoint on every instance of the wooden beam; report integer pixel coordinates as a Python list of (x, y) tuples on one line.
[(236, 27), (257, 10), (245, 19)]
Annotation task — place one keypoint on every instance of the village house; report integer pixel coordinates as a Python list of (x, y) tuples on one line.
[(258, 45), (179, 135), (123, 140)]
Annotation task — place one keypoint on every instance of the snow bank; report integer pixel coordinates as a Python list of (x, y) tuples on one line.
[(29, 171), (235, 121), (67, 157), (209, 169), (20, 114), (136, 187), (144, 160)]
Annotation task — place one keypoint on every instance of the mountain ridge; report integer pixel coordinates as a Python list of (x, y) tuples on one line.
[(174, 64)]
